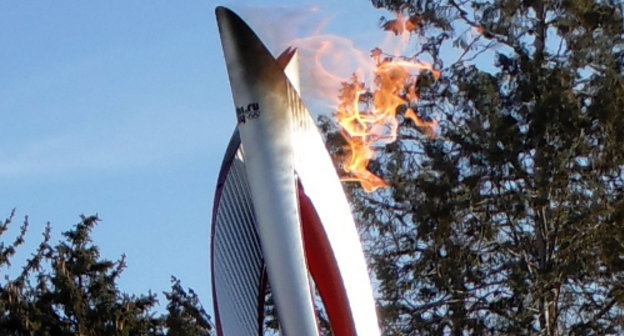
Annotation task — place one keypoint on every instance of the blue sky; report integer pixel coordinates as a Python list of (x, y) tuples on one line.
[(122, 108)]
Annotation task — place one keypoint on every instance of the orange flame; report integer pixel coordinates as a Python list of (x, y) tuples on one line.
[(369, 119), (478, 30), (369, 100), (402, 25)]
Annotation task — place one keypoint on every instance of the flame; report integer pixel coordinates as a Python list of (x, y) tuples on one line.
[(402, 25), (369, 100), (369, 119)]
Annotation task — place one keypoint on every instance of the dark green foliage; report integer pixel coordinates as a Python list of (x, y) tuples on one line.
[(186, 316), (512, 220), (67, 289)]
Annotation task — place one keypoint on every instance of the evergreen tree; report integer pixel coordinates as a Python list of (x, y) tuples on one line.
[(68, 289), (510, 221), (186, 316)]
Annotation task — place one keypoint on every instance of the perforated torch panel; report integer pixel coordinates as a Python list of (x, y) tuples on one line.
[(238, 259)]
